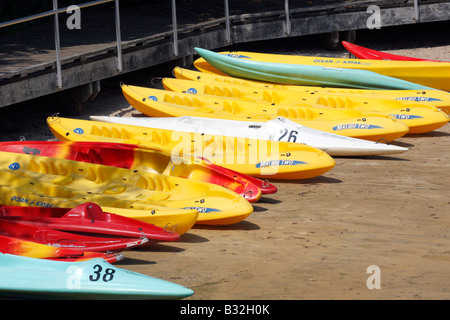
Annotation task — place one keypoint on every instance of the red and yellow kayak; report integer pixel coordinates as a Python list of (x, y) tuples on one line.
[(132, 156), (109, 186), (87, 218), (173, 220), (32, 249), (69, 240), (366, 53)]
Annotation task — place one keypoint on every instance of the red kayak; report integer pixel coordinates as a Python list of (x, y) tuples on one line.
[(41, 251), (366, 53), (263, 185), (61, 239), (89, 219), (129, 156)]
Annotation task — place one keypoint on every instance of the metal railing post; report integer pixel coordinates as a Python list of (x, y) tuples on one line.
[(57, 45), (174, 27), (288, 21), (227, 23), (118, 38), (55, 13), (416, 10)]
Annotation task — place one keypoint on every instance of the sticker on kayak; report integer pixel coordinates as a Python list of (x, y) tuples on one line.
[(238, 56), (342, 61), (191, 90), (202, 209), (350, 126), (405, 116), (418, 99), (153, 98), (14, 166), (31, 202), (272, 163), (78, 131)]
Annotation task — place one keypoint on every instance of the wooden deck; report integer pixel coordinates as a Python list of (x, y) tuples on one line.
[(27, 57)]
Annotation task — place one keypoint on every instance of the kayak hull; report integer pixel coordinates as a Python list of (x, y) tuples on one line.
[(172, 220), (93, 279), (279, 129), (87, 218), (215, 101), (118, 187), (364, 74), (261, 158), (419, 117), (133, 157), (366, 53), (303, 71), (61, 239), (436, 98), (31, 249)]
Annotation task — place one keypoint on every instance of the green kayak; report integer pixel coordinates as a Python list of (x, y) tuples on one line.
[(24, 277), (241, 67)]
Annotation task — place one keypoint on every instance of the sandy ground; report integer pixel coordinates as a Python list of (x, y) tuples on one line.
[(314, 239)]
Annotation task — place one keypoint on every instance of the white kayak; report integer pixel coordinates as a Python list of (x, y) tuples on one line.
[(279, 129)]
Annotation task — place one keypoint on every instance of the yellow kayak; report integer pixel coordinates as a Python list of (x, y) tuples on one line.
[(179, 102), (176, 220), (431, 74), (117, 187), (350, 123), (436, 98), (420, 118), (259, 158)]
